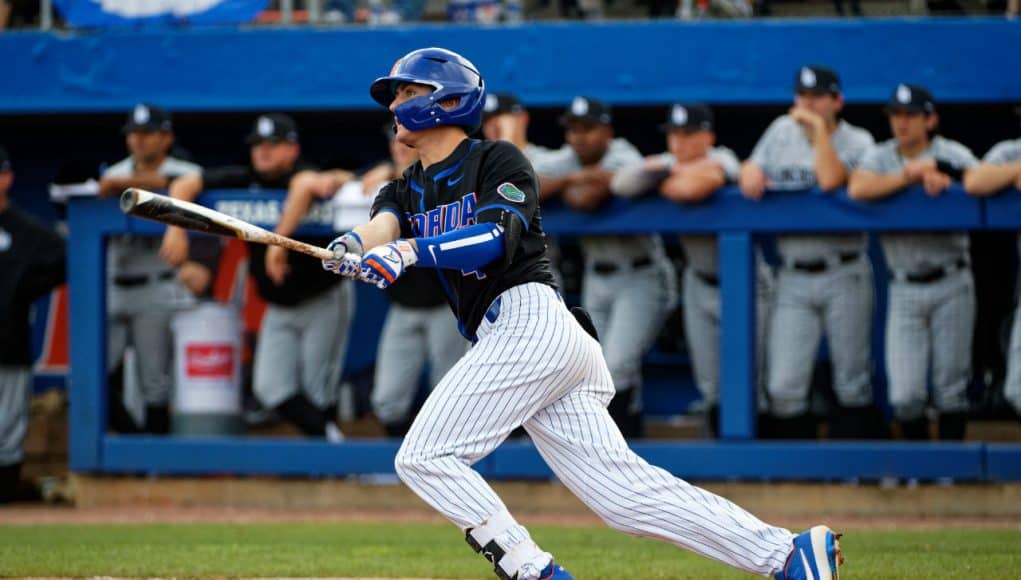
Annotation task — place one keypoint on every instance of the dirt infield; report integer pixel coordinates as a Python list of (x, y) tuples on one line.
[(38, 515), (123, 500)]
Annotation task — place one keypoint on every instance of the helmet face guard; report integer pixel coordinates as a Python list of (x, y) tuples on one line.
[(451, 75)]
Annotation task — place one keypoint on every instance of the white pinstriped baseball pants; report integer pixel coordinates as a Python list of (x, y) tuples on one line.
[(536, 367)]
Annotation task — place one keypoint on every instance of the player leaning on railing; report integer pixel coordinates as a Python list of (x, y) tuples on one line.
[(469, 210)]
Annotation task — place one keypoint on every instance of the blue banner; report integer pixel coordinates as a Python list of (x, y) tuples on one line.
[(155, 13)]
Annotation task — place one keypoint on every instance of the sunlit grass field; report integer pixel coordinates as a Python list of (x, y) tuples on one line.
[(394, 550)]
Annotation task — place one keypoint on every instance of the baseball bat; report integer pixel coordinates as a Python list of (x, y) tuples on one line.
[(192, 216)]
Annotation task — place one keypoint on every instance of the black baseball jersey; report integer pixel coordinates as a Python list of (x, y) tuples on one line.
[(32, 259), (481, 181)]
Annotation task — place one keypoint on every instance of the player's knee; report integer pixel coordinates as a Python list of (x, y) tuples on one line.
[(411, 467), (618, 517), (404, 465)]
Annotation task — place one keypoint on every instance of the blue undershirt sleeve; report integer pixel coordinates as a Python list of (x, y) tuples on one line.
[(469, 248)]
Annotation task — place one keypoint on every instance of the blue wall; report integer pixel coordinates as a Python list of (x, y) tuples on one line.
[(727, 213), (962, 60)]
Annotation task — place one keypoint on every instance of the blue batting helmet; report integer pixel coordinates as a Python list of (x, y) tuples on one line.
[(452, 75)]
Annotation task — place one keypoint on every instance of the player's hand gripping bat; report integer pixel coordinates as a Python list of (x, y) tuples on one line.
[(191, 216)]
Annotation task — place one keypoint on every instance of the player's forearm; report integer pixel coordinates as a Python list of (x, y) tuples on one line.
[(382, 229), (987, 179), (636, 180), (299, 199), (830, 172), (865, 185), (694, 185), (551, 186), (186, 187), (466, 249)]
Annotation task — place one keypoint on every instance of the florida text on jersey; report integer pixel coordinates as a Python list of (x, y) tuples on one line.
[(480, 182)]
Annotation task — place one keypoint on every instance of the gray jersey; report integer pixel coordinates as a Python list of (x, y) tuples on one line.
[(788, 159), (1004, 152), (135, 255), (533, 151), (643, 177), (620, 154), (917, 252)]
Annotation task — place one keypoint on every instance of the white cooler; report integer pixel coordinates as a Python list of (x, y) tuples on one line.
[(207, 370)]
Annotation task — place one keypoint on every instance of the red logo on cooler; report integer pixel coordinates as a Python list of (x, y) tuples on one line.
[(209, 361)]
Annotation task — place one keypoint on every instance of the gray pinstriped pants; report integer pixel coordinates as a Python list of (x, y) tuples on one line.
[(535, 367), (702, 331), (1012, 387), (301, 348), (838, 302), (15, 384), (628, 308), (930, 326), (411, 337)]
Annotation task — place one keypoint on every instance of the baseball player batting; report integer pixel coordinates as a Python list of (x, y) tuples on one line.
[(468, 210)]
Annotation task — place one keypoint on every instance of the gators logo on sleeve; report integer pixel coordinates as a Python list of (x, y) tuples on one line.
[(510, 192)]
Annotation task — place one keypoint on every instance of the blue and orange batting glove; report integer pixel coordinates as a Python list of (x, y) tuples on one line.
[(382, 265)]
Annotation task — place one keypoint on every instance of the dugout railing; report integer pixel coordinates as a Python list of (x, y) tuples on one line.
[(735, 456)]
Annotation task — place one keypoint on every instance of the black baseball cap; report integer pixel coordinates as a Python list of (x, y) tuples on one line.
[(147, 118), (589, 110), (499, 103), (5, 161), (911, 98), (273, 127), (817, 79), (692, 116)]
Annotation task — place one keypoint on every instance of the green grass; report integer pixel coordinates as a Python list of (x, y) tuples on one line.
[(359, 549)]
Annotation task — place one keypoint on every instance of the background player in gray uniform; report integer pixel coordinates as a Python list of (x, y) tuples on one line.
[(1001, 168), (468, 211), (931, 315), (142, 291), (629, 283), (303, 336), (691, 171), (825, 280), (32, 260)]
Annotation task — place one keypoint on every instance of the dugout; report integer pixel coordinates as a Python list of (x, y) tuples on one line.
[(71, 92)]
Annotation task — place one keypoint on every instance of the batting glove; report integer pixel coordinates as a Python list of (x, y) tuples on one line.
[(347, 251), (382, 265)]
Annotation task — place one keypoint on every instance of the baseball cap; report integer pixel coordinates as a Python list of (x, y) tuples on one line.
[(911, 98), (499, 103), (274, 127), (587, 109), (694, 116), (817, 79), (147, 118), (5, 161)]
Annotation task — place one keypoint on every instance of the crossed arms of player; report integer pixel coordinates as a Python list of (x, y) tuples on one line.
[(469, 248)]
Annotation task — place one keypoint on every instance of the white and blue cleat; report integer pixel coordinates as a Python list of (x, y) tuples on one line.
[(555, 572), (816, 556)]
